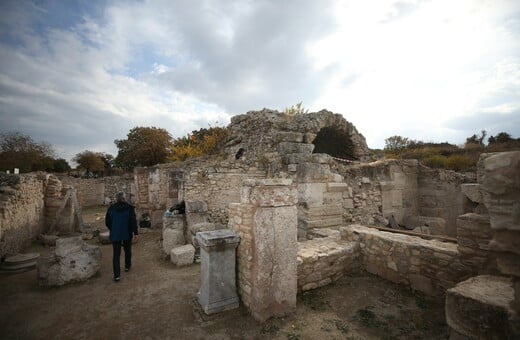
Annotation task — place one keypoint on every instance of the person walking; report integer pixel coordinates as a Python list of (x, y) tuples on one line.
[(122, 223)]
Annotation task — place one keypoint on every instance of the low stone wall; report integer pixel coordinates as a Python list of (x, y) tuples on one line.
[(21, 210), (322, 261), (473, 235), (429, 266)]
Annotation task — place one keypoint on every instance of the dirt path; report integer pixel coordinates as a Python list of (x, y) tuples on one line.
[(156, 300)]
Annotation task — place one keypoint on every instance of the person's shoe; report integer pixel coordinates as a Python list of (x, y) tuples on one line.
[(117, 279), (127, 269)]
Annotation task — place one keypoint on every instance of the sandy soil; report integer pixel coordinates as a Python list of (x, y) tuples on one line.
[(156, 300)]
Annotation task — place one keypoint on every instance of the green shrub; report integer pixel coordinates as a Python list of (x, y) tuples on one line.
[(460, 162)]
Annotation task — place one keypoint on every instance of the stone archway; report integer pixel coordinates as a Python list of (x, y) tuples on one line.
[(334, 142)]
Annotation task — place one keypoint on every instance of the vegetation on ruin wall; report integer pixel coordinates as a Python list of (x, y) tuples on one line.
[(198, 143), (449, 156)]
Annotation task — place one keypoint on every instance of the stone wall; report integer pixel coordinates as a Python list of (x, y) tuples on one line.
[(21, 210), (440, 195), (215, 182), (94, 191), (473, 235), (430, 266), (324, 260)]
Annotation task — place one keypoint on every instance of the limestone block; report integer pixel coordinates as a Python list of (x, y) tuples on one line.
[(472, 192), (73, 261), (275, 267), (397, 198), (499, 176), (195, 218), (171, 239), (321, 158), (272, 193), (183, 255), (337, 187), (479, 308), (313, 172), (311, 193), (291, 147)]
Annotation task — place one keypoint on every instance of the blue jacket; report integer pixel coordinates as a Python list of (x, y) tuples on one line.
[(121, 221)]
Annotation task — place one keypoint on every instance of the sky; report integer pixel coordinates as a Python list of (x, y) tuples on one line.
[(80, 74)]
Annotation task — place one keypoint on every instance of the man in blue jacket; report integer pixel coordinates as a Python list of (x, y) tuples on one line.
[(122, 223)]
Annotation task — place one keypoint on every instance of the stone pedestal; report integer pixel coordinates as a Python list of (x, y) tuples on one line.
[(217, 280)]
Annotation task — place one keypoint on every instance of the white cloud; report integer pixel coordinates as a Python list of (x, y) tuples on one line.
[(414, 68)]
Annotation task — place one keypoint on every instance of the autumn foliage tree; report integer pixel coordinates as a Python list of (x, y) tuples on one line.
[(90, 161), (205, 141), (144, 146)]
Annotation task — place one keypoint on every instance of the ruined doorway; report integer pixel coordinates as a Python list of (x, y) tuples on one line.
[(334, 142)]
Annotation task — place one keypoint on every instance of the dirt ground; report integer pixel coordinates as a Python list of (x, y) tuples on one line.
[(157, 300)]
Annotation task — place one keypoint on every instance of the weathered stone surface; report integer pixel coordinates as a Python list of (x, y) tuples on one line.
[(275, 267), (499, 175), (196, 206), (269, 193), (73, 260), (313, 172), (479, 308), (171, 239), (472, 192), (217, 289), (176, 222), (291, 147), (436, 225), (183, 255)]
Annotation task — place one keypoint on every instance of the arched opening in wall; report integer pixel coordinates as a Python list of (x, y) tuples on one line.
[(334, 142)]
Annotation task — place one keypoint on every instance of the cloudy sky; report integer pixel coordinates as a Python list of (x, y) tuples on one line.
[(79, 74)]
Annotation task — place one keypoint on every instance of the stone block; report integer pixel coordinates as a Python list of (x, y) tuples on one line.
[(499, 176), (397, 198), (288, 136), (337, 187), (73, 261), (171, 239), (205, 226), (183, 255), (472, 192), (313, 172), (479, 308), (311, 193), (275, 265), (291, 147), (272, 196), (436, 225), (195, 218)]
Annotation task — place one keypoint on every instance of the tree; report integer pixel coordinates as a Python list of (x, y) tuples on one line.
[(90, 161), (144, 146), (21, 151), (61, 165), (396, 143), (502, 137)]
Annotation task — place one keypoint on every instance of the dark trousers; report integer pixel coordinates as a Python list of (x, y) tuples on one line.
[(116, 246)]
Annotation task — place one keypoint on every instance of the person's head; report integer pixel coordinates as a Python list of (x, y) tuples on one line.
[(120, 197)]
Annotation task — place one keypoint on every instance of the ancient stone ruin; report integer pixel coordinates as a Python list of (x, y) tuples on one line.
[(308, 207)]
